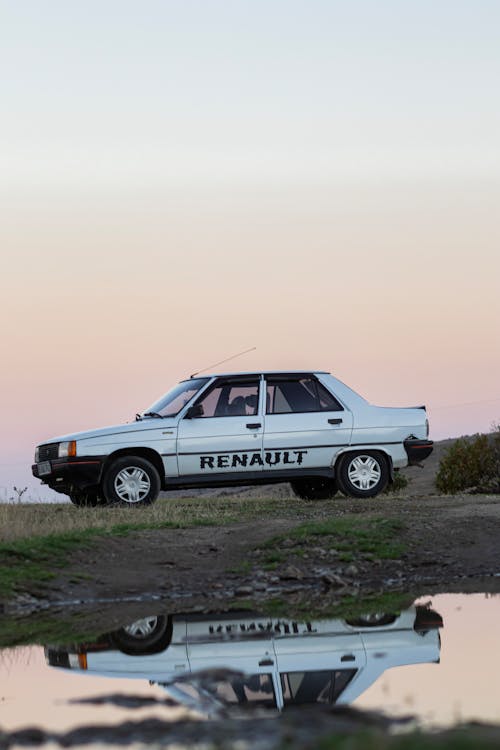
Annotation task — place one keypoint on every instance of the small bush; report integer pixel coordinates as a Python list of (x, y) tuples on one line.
[(399, 484), (471, 464)]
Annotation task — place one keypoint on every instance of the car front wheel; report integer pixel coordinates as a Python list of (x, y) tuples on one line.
[(131, 480), (315, 489), (363, 474), (149, 635)]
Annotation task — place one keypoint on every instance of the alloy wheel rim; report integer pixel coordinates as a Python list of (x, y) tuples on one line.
[(142, 628), (364, 472), (132, 484)]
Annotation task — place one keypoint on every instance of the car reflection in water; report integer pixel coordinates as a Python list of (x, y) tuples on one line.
[(207, 661)]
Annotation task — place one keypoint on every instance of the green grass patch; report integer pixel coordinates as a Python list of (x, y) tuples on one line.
[(371, 538), (43, 629), (304, 609), (460, 738), (243, 568)]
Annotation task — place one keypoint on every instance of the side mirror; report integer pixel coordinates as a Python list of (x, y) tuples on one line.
[(194, 411)]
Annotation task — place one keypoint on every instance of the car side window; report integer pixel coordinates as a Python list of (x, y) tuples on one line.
[(299, 395), (231, 399), (323, 686)]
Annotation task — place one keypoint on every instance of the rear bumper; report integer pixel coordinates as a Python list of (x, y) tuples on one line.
[(71, 472), (427, 619), (417, 450)]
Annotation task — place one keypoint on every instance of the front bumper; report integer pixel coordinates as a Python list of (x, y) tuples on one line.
[(417, 450), (70, 472)]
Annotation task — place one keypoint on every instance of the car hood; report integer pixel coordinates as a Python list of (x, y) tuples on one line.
[(143, 425)]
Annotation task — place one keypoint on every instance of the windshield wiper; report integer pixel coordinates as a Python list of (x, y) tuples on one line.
[(152, 414)]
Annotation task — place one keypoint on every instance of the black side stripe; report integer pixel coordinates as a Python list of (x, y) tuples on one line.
[(388, 442), (256, 449), (215, 453), (326, 445)]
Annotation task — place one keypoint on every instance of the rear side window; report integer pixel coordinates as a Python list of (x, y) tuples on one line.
[(298, 395)]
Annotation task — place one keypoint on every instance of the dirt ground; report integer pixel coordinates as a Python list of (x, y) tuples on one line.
[(450, 544)]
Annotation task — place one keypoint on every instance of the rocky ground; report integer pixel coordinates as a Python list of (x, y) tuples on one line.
[(448, 543)]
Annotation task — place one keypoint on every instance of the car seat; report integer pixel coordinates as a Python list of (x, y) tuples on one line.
[(237, 407), (251, 402)]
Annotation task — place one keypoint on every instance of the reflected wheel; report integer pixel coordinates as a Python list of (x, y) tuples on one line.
[(149, 635)]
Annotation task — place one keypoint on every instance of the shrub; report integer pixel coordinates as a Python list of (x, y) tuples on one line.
[(471, 464), (399, 484)]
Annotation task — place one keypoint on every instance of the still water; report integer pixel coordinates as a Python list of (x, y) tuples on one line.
[(439, 661)]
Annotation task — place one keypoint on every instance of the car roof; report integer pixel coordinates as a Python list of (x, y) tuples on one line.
[(260, 372)]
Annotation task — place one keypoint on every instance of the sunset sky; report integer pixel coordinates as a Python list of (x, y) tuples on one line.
[(181, 181)]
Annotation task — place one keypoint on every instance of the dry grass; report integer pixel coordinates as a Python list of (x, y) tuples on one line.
[(22, 521)]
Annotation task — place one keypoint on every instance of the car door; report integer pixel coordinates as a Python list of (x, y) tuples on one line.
[(226, 436), (317, 662), (305, 425), (241, 650)]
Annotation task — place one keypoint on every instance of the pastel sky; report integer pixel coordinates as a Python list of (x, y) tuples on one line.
[(180, 181)]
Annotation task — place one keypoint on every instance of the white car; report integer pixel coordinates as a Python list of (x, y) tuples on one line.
[(253, 659), (306, 428)]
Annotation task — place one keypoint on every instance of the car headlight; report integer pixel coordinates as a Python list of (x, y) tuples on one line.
[(37, 454), (77, 661), (66, 449)]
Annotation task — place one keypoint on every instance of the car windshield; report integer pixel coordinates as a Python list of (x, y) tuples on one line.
[(172, 402)]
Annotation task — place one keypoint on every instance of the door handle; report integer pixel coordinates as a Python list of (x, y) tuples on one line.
[(266, 663), (334, 421), (348, 657), (254, 425)]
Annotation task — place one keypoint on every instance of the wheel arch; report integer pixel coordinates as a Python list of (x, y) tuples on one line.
[(356, 449), (148, 453)]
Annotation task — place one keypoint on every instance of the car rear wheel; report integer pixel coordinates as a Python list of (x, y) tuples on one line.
[(315, 489), (363, 474), (131, 480), (372, 620)]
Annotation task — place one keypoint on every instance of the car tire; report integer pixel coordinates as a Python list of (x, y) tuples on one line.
[(131, 480), (372, 620), (85, 498), (363, 473), (149, 635), (315, 489)]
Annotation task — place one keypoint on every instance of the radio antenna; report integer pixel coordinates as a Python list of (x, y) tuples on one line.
[(223, 360)]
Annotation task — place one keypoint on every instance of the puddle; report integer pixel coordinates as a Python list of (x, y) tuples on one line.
[(437, 661)]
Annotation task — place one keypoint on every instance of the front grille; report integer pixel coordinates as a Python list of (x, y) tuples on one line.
[(48, 452)]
